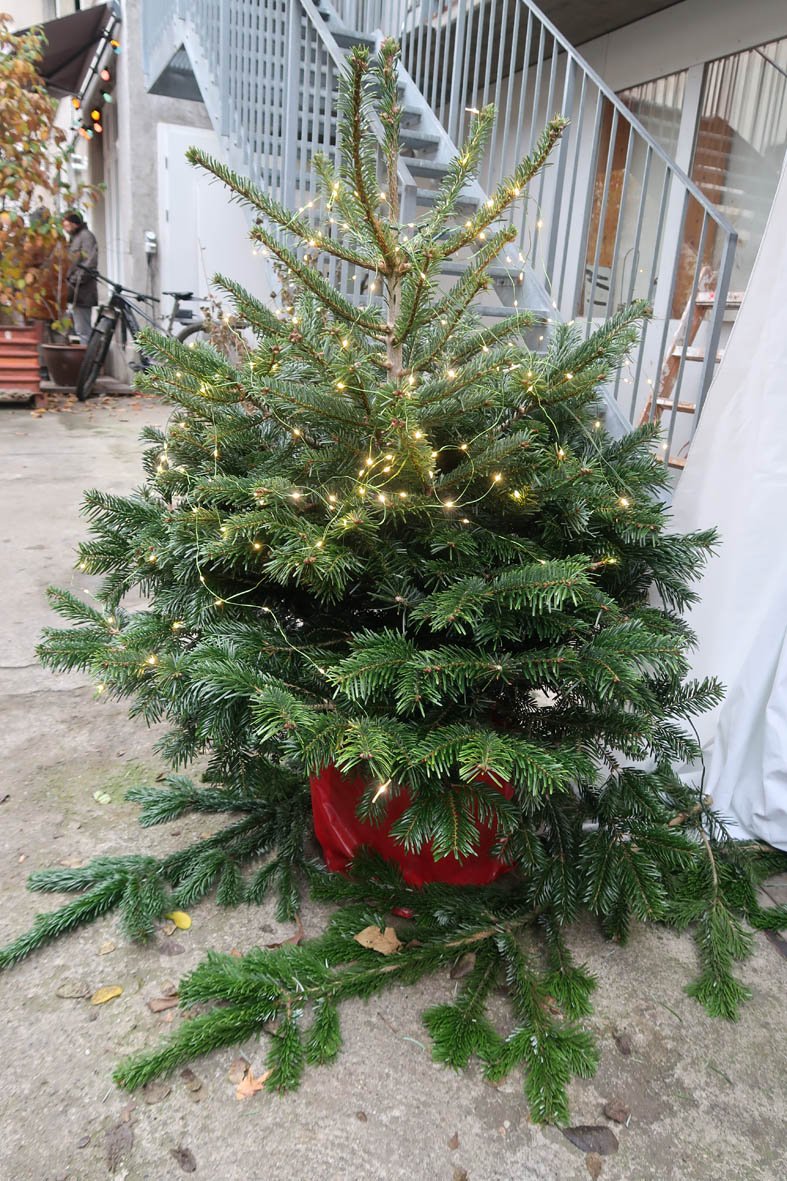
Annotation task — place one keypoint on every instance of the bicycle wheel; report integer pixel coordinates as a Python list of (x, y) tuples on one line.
[(195, 332), (95, 355)]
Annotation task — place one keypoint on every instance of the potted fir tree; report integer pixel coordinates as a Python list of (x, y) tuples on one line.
[(396, 580)]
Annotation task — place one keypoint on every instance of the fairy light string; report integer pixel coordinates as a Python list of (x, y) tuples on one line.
[(381, 471)]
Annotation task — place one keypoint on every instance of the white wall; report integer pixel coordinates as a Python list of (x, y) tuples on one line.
[(682, 36), (200, 232), (28, 12)]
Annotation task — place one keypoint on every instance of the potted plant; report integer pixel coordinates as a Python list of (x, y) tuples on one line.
[(34, 189)]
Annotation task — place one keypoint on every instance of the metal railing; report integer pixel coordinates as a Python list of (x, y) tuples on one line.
[(613, 218)]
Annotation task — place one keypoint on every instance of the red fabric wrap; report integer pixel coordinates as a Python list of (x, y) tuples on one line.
[(334, 799)]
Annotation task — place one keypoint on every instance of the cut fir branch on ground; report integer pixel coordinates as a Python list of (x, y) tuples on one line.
[(397, 542)]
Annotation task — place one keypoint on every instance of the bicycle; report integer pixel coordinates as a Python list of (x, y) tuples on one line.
[(120, 311)]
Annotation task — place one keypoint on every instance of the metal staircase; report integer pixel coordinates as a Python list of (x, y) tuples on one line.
[(611, 219)]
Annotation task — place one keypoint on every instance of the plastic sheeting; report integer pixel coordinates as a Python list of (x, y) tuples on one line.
[(736, 479)]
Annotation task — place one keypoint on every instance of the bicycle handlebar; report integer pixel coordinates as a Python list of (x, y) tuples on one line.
[(117, 287)]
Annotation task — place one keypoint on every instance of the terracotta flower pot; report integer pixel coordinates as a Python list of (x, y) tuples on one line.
[(63, 362), (341, 834)]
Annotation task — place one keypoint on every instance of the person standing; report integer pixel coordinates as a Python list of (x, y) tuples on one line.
[(81, 284)]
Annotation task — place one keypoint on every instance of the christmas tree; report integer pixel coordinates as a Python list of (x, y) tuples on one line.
[(397, 545)]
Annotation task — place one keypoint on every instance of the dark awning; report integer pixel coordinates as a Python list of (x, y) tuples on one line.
[(71, 42)]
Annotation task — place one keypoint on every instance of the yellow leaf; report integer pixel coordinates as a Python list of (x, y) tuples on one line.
[(181, 920), (385, 941), (106, 994)]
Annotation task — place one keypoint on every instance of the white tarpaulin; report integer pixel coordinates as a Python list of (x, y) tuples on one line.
[(736, 479)]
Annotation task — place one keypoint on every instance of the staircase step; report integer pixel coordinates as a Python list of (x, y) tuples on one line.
[(498, 273), (707, 299), (411, 117), (428, 197), (695, 354), (498, 311), (418, 141), (678, 461), (683, 407), (346, 38), (429, 168)]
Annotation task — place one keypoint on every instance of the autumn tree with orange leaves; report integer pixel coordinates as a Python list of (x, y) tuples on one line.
[(35, 189)]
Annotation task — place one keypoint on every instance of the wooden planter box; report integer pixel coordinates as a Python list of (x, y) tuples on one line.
[(19, 365)]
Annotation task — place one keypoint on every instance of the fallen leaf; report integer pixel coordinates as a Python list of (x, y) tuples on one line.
[(185, 1158), (190, 1079), (73, 989), (362, 1116), (617, 1111), (463, 966), (106, 948), (120, 752), (237, 1072), (117, 1144), (155, 1092), (72, 862), (22, 857), (160, 1003), (386, 942), (460, 1174), (249, 1085), (168, 988), (238, 955), (101, 797), (181, 920), (83, 1141), (296, 939), (105, 994), (593, 1165), (624, 1044), (168, 928), (169, 947), (592, 1138), (453, 1143)]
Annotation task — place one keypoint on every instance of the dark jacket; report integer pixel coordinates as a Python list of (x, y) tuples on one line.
[(82, 288)]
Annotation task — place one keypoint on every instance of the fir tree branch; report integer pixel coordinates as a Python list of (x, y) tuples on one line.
[(358, 68)]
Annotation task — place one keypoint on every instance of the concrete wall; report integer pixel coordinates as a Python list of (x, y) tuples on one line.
[(28, 12), (125, 158), (32, 12)]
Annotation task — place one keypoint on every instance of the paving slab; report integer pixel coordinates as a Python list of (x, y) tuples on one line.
[(708, 1100)]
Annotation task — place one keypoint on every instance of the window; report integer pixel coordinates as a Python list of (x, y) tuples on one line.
[(740, 142)]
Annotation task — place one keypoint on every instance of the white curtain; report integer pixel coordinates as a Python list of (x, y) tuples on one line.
[(736, 479)]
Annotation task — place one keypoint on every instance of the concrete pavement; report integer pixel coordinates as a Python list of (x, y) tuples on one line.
[(708, 1100)]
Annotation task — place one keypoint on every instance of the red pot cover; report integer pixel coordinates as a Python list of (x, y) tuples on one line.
[(340, 833)]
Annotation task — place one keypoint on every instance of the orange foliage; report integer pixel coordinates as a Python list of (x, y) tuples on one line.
[(35, 189)]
